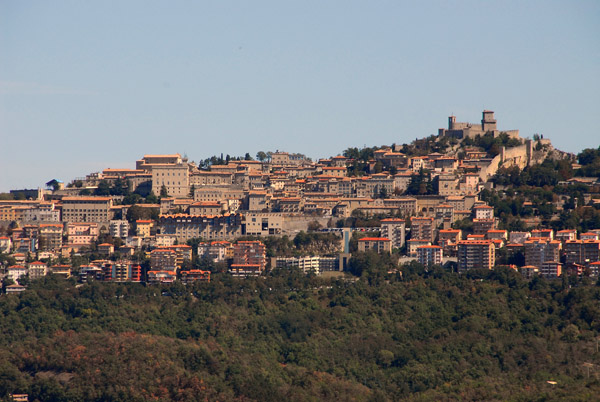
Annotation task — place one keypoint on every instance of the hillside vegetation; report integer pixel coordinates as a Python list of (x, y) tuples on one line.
[(420, 335)]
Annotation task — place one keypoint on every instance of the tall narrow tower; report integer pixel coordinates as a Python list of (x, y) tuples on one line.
[(488, 123)]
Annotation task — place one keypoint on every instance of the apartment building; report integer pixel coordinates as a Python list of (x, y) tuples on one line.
[(551, 269), (413, 244), (582, 252), (448, 239), (429, 255), (37, 269), (395, 230), (195, 275), (379, 244), (143, 228), (163, 259), (476, 254), (119, 228), (422, 228), (50, 237), (79, 233), (539, 250), (306, 264), (483, 226), (249, 258), (216, 251)]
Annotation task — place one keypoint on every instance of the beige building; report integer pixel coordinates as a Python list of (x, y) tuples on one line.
[(539, 250), (476, 254), (50, 237), (148, 162), (378, 244), (206, 208), (395, 230), (37, 269), (263, 223), (249, 258), (163, 259), (175, 178), (215, 251), (185, 227), (143, 228), (209, 178), (79, 233), (422, 229), (429, 255), (87, 209)]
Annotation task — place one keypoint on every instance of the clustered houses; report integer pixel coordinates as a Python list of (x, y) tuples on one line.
[(283, 195)]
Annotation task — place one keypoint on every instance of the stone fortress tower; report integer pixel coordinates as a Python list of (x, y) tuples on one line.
[(463, 130)]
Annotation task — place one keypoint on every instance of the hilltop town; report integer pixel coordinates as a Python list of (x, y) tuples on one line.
[(471, 197)]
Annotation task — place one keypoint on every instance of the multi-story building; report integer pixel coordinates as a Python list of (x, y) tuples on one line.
[(306, 264), (413, 244), (147, 163), (582, 252), (37, 269), (14, 272), (518, 237), (175, 178), (79, 233), (395, 230), (195, 275), (163, 259), (480, 254), (567, 234), (482, 226), (124, 271), (183, 252), (87, 209), (50, 236), (143, 227), (483, 212), (448, 239), (206, 208), (444, 215), (543, 233), (249, 258), (106, 249), (429, 255), (263, 223), (119, 228), (594, 269), (422, 229), (216, 251), (551, 269), (496, 234), (539, 250), (44, 212), (588, 236), (185, 227), (161, 276), (378, 244), (529, 271)]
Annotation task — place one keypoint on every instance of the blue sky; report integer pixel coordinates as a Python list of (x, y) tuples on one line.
[(90, 85)]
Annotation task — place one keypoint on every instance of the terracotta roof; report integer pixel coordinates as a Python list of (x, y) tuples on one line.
[(87, 198)]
